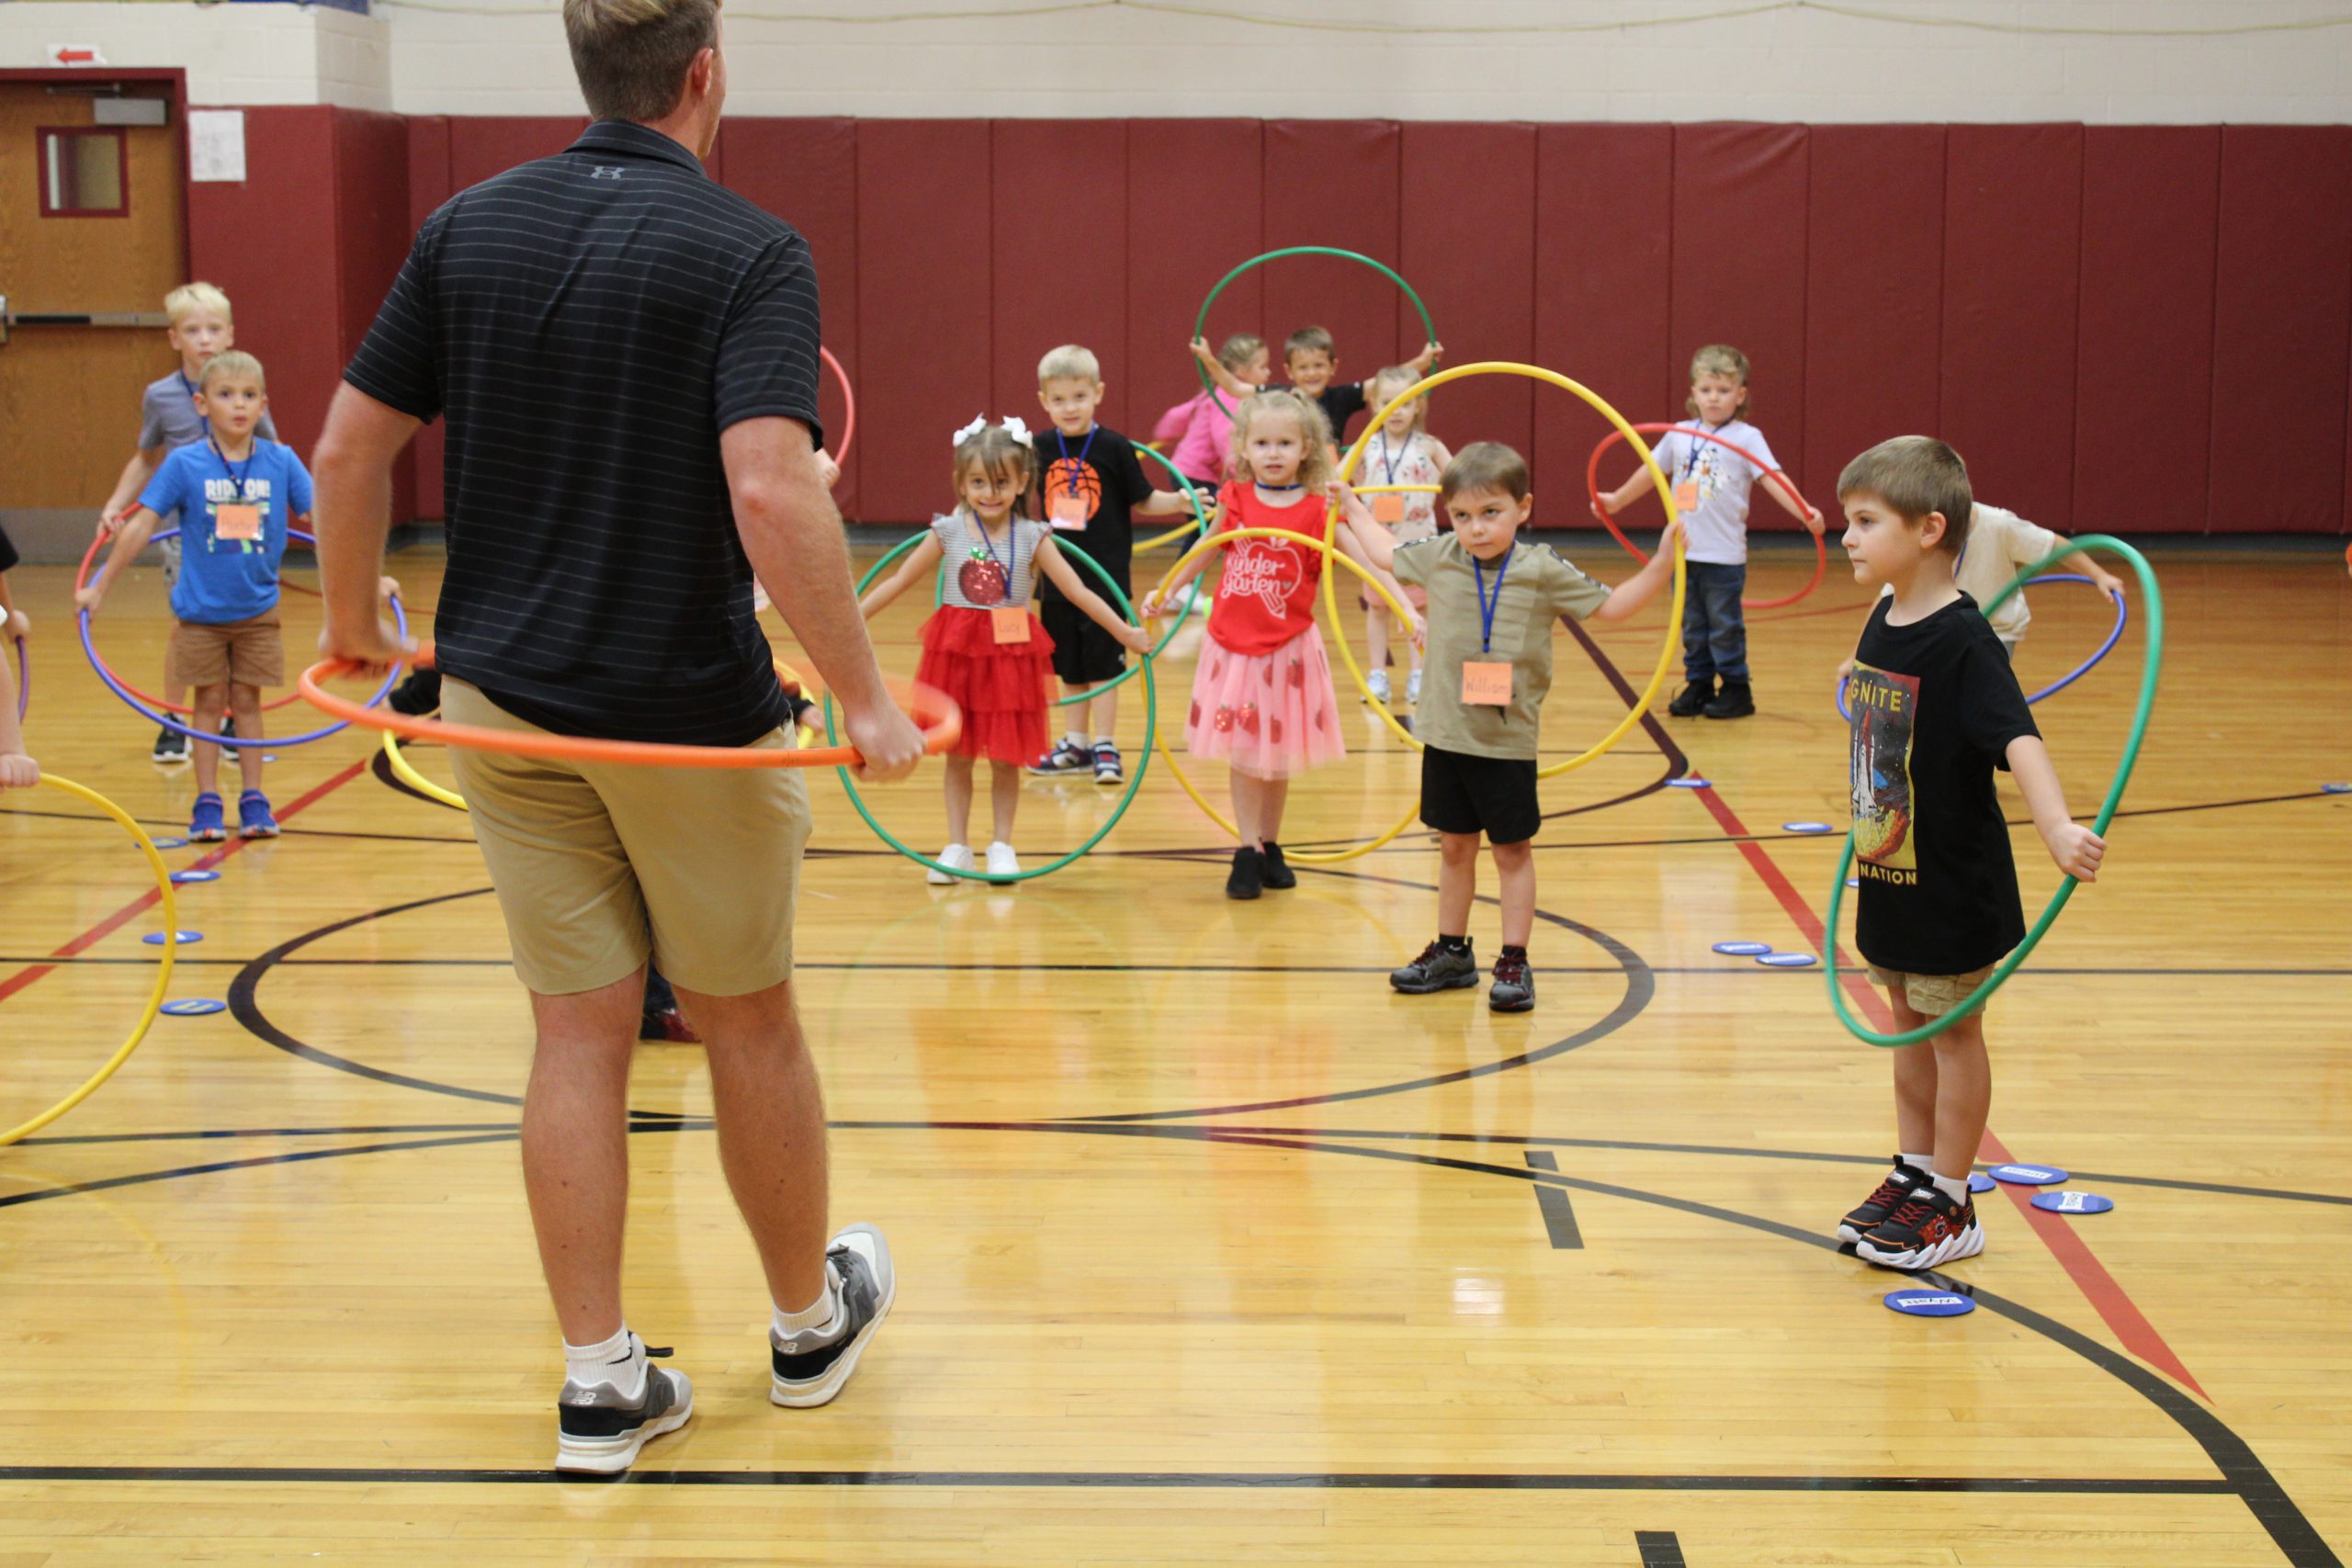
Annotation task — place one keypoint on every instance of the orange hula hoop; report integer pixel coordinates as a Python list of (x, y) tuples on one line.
[(942, 722), (1779, 480)]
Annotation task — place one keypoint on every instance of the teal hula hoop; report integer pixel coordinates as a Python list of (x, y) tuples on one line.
[(1201, 322), (2152, 665), (1134, 781)]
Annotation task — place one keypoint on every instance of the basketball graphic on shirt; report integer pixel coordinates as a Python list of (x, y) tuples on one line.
[(1886, 707), (1069, 478), (983, 582)]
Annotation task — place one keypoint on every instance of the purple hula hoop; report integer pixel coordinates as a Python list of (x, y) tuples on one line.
[(2114, 636)]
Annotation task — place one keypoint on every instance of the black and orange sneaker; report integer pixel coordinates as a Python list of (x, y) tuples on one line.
[(1894, 1187), (1927, 1231)]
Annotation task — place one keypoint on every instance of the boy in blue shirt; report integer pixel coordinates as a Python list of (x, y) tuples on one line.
[(236, 494)]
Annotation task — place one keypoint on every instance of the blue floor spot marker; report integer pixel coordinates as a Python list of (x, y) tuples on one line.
[(1689, 784), (1787, 960), (1980, 1182), (1853, 882), (1743, 948), (2028, 1175), (2336, 789), (195, 874), (1929, 1303), (156, 939), (1806, 828), (171, 843), (195, 1007), (2072, 1203)]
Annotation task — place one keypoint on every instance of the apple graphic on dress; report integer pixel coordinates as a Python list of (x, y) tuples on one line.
[(982, 583)]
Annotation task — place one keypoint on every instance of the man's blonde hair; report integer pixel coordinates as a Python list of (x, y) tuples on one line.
[(231, 362), (189, 298), (1072, 361), (1315, 466), (1916, 475), (632, 55)]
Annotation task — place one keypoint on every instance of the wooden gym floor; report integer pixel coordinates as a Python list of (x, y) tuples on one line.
[(1213, 1249)]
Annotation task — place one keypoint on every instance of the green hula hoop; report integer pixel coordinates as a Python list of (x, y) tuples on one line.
[(1135, 780), (2152, 665), (1201, 322)]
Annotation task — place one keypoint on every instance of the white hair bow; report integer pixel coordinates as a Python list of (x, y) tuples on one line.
[(1013, 427)]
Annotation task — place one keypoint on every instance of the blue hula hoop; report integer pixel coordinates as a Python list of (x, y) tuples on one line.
[(2114, 636), (399, 618)]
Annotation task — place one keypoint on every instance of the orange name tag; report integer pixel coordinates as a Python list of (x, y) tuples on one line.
[(1010, 623), (1485, 685), (1686, 496), (1388, 509), (1065, 512), (233, 521)]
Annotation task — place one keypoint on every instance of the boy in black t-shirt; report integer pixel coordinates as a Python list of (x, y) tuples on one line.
[(1936, 709), (1090, 487)]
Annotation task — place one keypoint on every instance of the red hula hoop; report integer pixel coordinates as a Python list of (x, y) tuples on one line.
[(848, 402), (1779, 480), (81, 581)]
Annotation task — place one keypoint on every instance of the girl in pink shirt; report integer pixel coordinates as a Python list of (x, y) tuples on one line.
[(1202, 431)]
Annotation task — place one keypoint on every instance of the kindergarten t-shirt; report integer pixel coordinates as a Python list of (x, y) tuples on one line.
[(1265, 590), (1527, 590), (1096, 483), (1717, 528), (228, 580)]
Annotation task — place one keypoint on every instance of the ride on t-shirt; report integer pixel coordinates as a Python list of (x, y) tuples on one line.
[(1716, 529), (168, 417), (228, 580), (1265, 596), (1935, 708), (1096, 483), (1528, 590)]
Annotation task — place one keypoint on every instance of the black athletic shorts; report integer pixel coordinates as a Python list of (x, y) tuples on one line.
[(1494, 796), (1083, 652)]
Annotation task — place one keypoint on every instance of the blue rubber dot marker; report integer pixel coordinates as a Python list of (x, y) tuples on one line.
[(2028, 1175), (1930, 1303), (195, 874), (1689, 784), (195, 1007), (1806, 828), (1743, 948), (1787, 960), (170, 843), (1853, 882), (156, 939), (2072, 1203), (1980, 1182), (2336, 789)]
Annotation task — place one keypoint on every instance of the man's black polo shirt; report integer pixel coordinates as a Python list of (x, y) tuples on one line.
[(589, 323)]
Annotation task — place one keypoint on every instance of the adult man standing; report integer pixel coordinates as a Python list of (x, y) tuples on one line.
[(626, 355)]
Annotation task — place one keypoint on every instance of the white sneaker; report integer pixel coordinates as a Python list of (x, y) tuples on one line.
[(1002, 862), (1413, 687), (1378, 681), (956, 855)]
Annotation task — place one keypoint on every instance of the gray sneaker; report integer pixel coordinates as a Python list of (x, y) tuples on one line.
[(807, 1372), (598, 1433), (1514, 987), (1436, 970)]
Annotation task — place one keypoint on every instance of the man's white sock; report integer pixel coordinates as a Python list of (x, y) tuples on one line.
[(618, 1362), (819, 1316)]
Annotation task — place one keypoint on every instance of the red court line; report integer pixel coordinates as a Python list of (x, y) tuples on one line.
[(149, 899), (2065, 1242)]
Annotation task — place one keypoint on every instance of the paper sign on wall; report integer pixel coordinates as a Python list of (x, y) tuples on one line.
[(216, 144)]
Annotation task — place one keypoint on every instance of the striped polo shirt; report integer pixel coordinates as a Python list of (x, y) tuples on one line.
[(588, 324)]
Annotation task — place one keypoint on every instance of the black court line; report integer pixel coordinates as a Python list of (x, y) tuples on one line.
[(1659, 1549), (1552, 1202)]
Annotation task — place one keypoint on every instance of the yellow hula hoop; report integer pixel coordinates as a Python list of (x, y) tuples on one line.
[(1395, 490), (1664, 492), (1305, 857), (1208, 504), (162, 967)]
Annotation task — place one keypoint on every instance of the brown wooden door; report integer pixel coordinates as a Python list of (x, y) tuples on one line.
[(69, 394)]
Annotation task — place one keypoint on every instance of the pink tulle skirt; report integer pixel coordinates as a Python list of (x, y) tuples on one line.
[(1004, 688), (1270, 715)]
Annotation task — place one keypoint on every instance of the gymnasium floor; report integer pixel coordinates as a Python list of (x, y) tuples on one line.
[(1213, 1249)]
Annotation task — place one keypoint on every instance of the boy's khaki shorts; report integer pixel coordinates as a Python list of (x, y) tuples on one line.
[(249, 652), (598, 864), (1931, 995)]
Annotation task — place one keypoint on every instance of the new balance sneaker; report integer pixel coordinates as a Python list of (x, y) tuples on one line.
[(1413, 685), (1066, 758), (1514, 987), (206, 821), (1927, 1231), (959, 856), (1002, 862), (599, 1433), (1893, 1189), (1436, 970), (253, 819), (1274, 872), (1378, 681), (171, 746), (1107, 770), (809, 1369), (1695, 695)]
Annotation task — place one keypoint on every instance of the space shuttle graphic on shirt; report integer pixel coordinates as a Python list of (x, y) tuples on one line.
[(1885, 708)]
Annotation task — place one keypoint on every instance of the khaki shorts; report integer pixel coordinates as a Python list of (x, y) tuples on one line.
[(598, 864), (1931, 996), (249, 652)]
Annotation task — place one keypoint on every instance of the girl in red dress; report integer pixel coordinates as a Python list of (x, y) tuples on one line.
[(984, 646)]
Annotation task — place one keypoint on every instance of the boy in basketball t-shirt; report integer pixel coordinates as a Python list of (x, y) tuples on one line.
[(1936, 708)]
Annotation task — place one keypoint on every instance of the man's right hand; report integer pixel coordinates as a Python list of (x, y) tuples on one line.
[(889, 742)]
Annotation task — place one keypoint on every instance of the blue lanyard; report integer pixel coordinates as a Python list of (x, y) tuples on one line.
[(1388, 459), (1063, 442), (230, 469), (1486, 607), (193, 390), (1691, 464), (1011, 548)]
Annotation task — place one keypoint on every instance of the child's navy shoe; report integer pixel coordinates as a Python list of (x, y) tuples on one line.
[(254, 820), (205, 824)]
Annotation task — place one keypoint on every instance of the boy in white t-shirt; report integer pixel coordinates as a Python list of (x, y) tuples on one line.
[(1711, 486)]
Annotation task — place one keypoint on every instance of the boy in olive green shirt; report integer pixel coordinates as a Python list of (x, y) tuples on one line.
[(1491, 605)]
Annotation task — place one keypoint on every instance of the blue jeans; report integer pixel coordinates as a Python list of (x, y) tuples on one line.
[(1714, 638)]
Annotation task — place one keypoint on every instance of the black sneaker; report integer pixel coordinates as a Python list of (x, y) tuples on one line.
[(1249, 878), (417, 695), (1735, 700), (807, 1373), (1436, 970), (1279, 878), (596, 1434), (1898, 1185), (1064, 760), (1514, 987), (1697, 695), (228, 739), (171, 746), (1107, 770), (1926, 1232)]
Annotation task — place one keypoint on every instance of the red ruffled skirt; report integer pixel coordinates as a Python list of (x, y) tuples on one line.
[(1004, 688)]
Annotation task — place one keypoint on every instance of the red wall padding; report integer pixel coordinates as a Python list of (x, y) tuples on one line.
[(2281, 316), (2012, 251), (2137, 329)]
